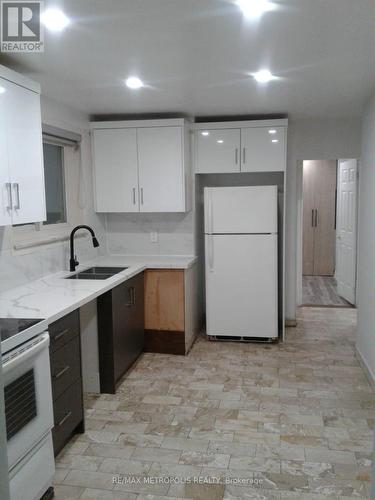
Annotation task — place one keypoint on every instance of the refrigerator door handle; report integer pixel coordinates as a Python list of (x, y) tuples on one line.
[(210, 214), (211, 253)]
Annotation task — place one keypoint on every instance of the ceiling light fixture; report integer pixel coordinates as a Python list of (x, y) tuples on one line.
[(264, 76), (205, 133), (220, 141), (54, 20), (275, 140), (133, 82), (253, 9), (2, 90), (272, 131)]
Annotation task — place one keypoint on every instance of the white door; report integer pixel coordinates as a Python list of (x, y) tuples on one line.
[(263, 149), (161, 173), (346, 234), (250, 209), (218, 151), (25, 153), (116, 170), (241, 285), (5, 186)]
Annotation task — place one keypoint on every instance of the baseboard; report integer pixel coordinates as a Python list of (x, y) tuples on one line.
[(370, 376), (290, 323), (165, 342)]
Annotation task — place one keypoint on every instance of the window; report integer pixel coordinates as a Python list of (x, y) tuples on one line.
[(54, 179)]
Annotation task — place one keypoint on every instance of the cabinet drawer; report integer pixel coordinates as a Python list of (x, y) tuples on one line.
[(65, 366), (64, 330), (68, 413)]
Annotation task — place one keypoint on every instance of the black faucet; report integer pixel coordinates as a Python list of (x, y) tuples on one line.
[(73, 258)]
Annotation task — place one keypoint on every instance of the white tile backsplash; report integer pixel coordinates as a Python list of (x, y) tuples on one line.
[(130, 234)]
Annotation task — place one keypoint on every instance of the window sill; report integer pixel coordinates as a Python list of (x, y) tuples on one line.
[(45, 241)]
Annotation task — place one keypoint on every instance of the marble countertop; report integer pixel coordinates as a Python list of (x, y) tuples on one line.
[(52, 297)]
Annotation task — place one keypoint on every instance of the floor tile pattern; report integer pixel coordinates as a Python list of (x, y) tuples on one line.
[(321, 291), (287, 421)]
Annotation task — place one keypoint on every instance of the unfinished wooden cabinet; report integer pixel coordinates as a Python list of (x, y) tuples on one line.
[(170, 310)]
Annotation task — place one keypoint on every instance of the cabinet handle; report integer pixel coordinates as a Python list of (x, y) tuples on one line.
[(61, 372), (133, 289), (236, 156), (316, 217), (312, 217), (244, 155), (61, 334), (9, 191), (16, 187), (64, 419), (130, 294), (133, 196), (141, 196)]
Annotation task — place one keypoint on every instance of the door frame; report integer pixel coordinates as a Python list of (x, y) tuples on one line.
[(299, 253)]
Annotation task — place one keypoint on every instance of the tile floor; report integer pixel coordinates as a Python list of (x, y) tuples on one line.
[(321, 291), (287, 421)]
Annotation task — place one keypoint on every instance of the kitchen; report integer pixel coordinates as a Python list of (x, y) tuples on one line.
[(118, 245)]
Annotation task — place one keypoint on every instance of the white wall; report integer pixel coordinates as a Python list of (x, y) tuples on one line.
[(312, 139), (19, 267), (366, 256)]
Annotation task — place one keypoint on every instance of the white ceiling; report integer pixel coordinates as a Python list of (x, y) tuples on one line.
[(195, 57)]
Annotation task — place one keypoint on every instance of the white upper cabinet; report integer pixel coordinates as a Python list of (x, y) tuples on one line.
[(141, 166), (116, 170), (161, 175), (218, 150), (21, 170), (263, 149), (253, 146), (5, 184)]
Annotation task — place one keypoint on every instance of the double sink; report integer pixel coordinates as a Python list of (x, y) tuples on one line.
[(96, 273)]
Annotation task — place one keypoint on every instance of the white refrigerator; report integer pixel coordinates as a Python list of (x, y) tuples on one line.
[(241, 262)]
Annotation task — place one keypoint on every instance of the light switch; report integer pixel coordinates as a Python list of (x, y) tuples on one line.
[(154, 237)]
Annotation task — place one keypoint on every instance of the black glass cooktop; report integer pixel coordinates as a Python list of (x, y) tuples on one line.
[(11, 326)]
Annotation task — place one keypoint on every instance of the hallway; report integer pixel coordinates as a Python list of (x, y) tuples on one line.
[(295, 417)]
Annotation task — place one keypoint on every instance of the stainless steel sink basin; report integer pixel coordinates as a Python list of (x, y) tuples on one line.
[(96, 273)]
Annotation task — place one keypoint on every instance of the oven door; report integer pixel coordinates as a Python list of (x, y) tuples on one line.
[(28, 396)]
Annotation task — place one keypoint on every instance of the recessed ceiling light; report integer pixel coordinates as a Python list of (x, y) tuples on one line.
[(2, 90), (272, 131), (133, 82), (275, 140), (205, 132), (253, 9), (264, 76), (54, 20), (220, 141)]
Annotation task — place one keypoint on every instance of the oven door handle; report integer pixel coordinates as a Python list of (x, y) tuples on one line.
[(15, 358)]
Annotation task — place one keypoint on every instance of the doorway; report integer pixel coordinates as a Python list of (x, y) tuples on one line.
[(329, 233)]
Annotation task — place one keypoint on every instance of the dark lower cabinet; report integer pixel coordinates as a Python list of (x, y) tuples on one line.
[(121, 331), (66, 375)]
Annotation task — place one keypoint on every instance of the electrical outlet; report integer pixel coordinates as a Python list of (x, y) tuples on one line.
[(154, 237)]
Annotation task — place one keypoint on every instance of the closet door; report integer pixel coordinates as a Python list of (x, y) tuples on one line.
[(325, 215), (308, 218), (319, 214)]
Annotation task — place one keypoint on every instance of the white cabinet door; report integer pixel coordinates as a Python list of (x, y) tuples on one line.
[(218, 151), (25, 155), (5, 186), (116, 170), (263, 149), (161, 172)]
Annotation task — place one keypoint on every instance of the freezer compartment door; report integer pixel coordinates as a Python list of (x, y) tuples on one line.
[(241, 285), (241, 210)]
